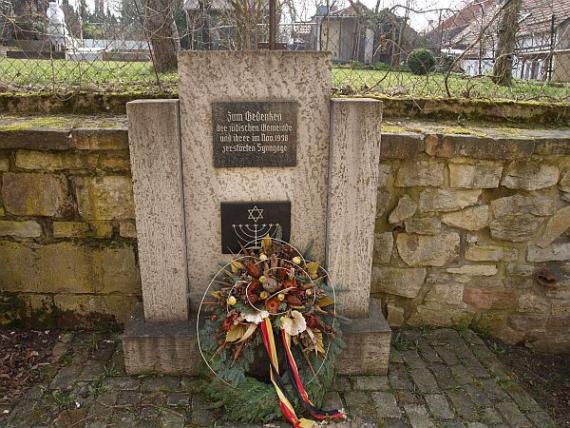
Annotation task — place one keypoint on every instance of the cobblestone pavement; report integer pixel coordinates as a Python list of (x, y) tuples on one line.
[(441, 378)]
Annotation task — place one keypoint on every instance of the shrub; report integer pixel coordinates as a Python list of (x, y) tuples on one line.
[(421, 61)]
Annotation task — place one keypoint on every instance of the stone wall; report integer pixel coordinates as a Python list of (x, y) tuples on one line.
[(67, 231), (472, 231)]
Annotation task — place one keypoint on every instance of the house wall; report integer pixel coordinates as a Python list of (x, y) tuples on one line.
[(470, 231), (342, 38), (561, 66)]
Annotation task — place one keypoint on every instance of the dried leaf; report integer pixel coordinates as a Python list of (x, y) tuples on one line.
[(250, 330), (236, 266), (312, 269), (266, 242), (325, 301), (235, 333), (319, 347)]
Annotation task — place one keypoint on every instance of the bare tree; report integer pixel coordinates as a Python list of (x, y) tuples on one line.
[(159, 18), (508, 28)]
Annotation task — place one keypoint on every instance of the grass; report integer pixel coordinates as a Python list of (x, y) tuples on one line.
[(118, 76), (396, 83)]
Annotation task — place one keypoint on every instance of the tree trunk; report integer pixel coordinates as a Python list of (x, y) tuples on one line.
[(508, 27), (158, 26)]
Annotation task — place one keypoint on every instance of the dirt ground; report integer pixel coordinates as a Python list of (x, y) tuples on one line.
[(546, 377), (24, 357)]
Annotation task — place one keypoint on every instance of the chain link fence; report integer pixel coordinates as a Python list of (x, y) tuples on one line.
[(481, 49)]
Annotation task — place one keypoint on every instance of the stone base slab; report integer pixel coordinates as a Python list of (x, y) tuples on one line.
[(160, 347), (367, 341), (172, 348)]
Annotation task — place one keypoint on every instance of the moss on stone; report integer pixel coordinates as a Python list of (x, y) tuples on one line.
[(36, 122)]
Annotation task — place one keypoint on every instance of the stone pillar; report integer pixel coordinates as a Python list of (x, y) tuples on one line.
[(353, 181), (154, 142)]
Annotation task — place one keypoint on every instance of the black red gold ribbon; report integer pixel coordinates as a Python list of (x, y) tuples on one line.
[(284, 400)]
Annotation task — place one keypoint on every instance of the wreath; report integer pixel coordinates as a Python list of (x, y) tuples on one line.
[(268, 331)]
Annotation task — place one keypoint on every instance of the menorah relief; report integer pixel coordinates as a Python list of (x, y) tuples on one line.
[(246, 224)]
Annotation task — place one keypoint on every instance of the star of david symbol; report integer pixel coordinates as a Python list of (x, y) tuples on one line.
[(255, 214)]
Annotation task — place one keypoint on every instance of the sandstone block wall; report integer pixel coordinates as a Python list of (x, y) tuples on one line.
[(67, 231), (473, 231), (470, 231)]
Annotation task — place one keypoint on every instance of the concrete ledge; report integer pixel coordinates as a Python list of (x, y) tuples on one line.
[(160, 347), (60, 139), (172, 347), (367, 341)]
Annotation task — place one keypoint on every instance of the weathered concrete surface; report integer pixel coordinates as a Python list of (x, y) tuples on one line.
[(353, 183), (154, 137), (276, 75)]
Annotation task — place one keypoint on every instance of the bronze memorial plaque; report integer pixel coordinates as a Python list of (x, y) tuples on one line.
[(254, 133)]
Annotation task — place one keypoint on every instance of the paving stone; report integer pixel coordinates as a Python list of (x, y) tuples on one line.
[(418, 416), (490, 416), (395, 356), (356, 398), (70, 418), (512, 414), (371, 383), (129, 398), (404, 397), (522, 398), (148, 417), (121, 383), (177, 399), (472, 338), (412, 359), (200, 417), (438, 406), (190, 384), (92, 370), (478, 371), (493, 390), (123, 418), (462, 404), (483, 354), (478, 395), (332, 400), (394, 423), (452, 424), (96, 424), (65, 378), (424, 380), (161, 383), (443, 335), (341, 384), (541, 419), (443, 376), (427, 352), (385, 403), (447, 355), (398, 377), (461, 375)]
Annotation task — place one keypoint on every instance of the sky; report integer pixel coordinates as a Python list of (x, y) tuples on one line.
[(419, 21)]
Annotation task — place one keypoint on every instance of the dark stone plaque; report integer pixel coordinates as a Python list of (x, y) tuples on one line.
[(254, 133), (247, 222)]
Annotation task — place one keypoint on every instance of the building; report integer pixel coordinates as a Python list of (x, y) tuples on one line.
[(356, 33), (542, 50)]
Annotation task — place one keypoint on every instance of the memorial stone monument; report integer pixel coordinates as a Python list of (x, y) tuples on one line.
[(254, 146)]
